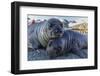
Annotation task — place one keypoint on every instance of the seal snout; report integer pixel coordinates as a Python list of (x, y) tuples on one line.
[(58, 32)]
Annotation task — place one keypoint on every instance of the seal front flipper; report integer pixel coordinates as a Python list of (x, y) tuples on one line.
[(79, 53), (32, 46)]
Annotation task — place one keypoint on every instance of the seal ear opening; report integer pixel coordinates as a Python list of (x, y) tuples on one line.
[(61, 25)]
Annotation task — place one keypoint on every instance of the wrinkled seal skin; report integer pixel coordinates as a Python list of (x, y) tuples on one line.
[(69, 42), (40, 33)]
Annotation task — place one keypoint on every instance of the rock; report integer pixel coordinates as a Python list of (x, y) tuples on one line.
[(37, 55)]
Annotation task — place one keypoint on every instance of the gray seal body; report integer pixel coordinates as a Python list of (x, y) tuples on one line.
[(69, 42), (40, 33)]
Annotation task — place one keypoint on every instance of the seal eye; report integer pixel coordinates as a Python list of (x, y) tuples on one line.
[(59, 48), (50, 43), (61, 25), (51, 26), (58, 51)]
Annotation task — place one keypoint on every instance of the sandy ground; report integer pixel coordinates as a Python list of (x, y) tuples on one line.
[(42, 55)]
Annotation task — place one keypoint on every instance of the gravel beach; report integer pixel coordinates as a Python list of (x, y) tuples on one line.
[(41, 54)]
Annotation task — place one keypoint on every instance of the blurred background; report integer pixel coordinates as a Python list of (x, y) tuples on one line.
[(76, 23)]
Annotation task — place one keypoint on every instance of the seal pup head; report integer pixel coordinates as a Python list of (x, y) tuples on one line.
[(55, 28), (55, 48)]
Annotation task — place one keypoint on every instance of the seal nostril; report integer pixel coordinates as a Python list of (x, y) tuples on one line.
[(56, 31), (60, 31)]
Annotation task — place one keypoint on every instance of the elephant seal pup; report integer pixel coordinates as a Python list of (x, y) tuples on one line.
[(40, 33), (70, 41)]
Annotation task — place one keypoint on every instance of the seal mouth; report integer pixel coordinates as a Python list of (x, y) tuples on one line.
[(59, 34), (56, 35)]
